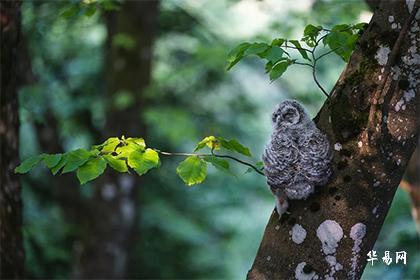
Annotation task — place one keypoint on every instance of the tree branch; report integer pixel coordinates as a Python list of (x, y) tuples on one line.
[(366, 173), (216, 155)]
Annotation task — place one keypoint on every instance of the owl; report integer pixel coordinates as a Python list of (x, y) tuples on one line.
[(297, 156)]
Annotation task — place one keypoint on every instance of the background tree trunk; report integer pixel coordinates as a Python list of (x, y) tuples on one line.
[(372, 113), (411, 184), (111, 236), (11, 247)]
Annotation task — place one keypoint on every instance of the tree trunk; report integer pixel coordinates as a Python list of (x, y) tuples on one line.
[(371, 121), (11, 247), (112, 236)]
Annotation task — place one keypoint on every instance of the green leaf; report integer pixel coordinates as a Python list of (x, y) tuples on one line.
[(137, 141), (110, 145), (117, 164), (236, 55), (61, 163), (310, 34), (70, 12), (234, 145), (301, 51), (28, 164), (75, 159), (110, 5), (279, 69), (341, 28), (274, 54), (209, 141), (268, 66), (342, 42), (192, 170), (259, 165), (136, 145), (256, 48), (238, 147), (52, 160), (142, 162), (91, 170), (360, 26), (278, 42), (220, 164), (90, 11)]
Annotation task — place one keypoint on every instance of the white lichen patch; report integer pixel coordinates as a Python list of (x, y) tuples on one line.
[(399, 104), (410, 5), (395, 72), (334, 266), (330, 233), (414, 28), (357, 232), (301, 275), (382, 55), (338, 146), (399, 126), (298, 234), (409, 94)]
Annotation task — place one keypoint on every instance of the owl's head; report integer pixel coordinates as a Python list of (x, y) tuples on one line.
[(289, 114)]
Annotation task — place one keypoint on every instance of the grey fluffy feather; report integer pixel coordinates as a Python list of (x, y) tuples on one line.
[(297, 157)]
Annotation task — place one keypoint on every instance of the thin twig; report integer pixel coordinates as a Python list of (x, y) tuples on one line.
[(306, 64), (327, 53), (290, 47), (314, 66), (319, 40), (212, 154), (242, 162), (315, 78)]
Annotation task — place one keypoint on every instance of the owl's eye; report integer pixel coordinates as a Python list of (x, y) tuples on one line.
[(290, 115)]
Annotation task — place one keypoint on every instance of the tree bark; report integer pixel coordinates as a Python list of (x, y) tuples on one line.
[(372, 117), (113, 232), (11, 247)]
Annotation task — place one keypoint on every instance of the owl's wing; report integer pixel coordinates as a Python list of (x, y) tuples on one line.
[(316, 157), (280, 159)]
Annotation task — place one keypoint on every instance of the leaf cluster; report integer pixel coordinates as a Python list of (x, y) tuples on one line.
[(119, 154), (341, 39), (123, 154), (193, 170), (88, 7)]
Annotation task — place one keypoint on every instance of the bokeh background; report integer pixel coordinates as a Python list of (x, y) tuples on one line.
[(210, 230)]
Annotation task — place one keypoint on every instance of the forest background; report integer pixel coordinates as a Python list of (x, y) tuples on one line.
[(82, 86)]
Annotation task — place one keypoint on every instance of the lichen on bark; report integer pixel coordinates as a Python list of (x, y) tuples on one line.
[(369, 163)]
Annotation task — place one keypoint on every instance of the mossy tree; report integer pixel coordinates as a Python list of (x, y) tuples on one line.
[(371, 119)]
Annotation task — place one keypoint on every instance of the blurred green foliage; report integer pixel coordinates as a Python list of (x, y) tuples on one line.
[(210, 231)]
